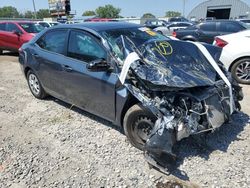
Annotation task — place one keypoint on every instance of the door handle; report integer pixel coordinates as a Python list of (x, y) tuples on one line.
[(67, 68), (35, 55)]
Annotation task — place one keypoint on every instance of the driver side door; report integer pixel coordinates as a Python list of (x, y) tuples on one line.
[(89, 90), (14, 40)]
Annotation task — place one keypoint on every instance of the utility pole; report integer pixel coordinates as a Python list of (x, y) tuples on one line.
[(34, 6), (184, 7)]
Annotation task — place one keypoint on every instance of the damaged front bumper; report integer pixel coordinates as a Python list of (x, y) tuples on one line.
[(206, 101)]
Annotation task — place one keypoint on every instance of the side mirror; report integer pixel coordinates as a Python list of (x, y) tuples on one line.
[(98, 65), (18, 33)]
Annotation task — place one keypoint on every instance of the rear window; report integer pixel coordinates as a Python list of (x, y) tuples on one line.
[(31, 27)]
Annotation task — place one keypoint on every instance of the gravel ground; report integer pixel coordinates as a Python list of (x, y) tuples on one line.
[(45, 143)]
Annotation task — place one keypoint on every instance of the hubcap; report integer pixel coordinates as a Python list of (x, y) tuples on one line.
[(34, 84), (243, 71), (142, 129)]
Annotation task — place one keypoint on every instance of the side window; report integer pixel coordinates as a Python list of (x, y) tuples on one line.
[(53, 41), (44, 24), (2, 26), (209, 26), (183, 25), (84, 47), (12, 27), (229, 27)]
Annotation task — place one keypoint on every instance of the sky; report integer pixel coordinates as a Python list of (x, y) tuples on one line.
[(128, 7)]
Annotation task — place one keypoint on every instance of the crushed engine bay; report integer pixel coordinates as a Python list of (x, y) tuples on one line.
[(184, 86)]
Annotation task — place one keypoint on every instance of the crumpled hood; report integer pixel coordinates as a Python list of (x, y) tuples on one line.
[(175, 64)]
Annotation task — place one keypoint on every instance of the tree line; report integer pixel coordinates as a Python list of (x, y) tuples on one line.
[(107, 11), (11, 12)]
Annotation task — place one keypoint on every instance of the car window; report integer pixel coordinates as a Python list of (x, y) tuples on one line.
[(53, 41), (12, 27), (54, 23), (84, 47), (31, 27), (44, 24), (229, 27), (183, 24), (2, 26), (209, 26)]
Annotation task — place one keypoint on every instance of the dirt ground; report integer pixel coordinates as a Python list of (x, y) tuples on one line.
[(44, 143)]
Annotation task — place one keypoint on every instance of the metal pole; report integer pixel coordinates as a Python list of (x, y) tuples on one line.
[(34, 6), (184, 7)]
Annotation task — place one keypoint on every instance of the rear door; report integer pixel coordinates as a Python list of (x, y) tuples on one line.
[(207, 31), (49, 55), (93, 91)]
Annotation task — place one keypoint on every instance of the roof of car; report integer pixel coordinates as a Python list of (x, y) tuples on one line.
[(221, 20), (99, 26)]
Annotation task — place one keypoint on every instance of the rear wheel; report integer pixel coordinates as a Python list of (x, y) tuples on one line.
[(138, 124), (241, 71), (160, 32), (35, 85), (1, 52)]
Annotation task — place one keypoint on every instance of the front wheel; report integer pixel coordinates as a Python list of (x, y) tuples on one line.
[(241, 71), (35, 85), (138, 124)]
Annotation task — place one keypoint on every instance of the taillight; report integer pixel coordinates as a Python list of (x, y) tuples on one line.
[(174, 34), (219, 42)]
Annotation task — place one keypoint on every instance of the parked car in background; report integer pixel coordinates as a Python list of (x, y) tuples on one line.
[(206, 31), (160, 26), (48, 24), (134, 77), (100, 20), (14, 33), (152, 24), (236, 54), (174, 26), (71, 22), (178, 19), (246, 21)]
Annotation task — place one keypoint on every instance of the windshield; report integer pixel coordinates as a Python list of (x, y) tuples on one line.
[(31, 27), (138, 36)]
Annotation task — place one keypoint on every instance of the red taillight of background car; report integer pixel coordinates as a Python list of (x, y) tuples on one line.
[(219, 42), (174, 34)]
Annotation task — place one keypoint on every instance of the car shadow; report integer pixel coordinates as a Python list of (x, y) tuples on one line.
[(85, 113), (204, 144), (201, 145), (9, 53)]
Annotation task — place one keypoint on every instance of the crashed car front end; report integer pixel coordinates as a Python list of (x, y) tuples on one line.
[(183, 85)]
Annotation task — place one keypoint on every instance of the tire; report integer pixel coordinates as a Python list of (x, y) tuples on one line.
[(35, 85), (1, 52), (138, 123), (241, 71), (160, 32)]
